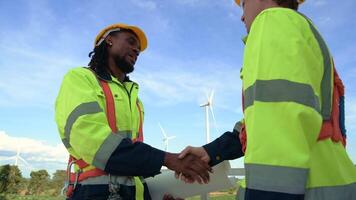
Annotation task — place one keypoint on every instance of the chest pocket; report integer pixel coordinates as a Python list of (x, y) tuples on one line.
[(123, 110)]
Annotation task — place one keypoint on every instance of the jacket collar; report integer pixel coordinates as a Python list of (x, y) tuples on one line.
[(106, 76)]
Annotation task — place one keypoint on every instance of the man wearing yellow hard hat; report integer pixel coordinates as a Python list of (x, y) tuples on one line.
[(293, 133), (100, 121)]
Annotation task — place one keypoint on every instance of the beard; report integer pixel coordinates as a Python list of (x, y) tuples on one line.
[(123, 65)]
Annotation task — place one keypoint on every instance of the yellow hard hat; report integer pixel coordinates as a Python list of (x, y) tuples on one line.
[(117, 27), (239, 1)]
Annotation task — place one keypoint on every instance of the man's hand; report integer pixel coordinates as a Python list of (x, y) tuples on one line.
[(191, 166), (197, 151)]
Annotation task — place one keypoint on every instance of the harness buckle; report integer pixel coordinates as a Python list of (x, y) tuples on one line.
[(114, 189), (69, 186)]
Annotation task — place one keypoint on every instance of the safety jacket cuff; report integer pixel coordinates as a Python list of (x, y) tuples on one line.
[(225, 147), (157, 161), (214, 153)]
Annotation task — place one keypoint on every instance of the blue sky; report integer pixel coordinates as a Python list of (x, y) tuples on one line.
[(194, 46)]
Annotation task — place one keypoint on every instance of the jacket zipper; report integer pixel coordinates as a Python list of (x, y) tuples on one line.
[(129, 94)]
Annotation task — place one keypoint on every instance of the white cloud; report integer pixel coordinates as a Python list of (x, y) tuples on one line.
[(148, 5), (32, 66), (236, 16), (175, 84), (211, 3), (345, 57), (191, 2), (318, 3), (34, 63), (351, 128), (36, 83), (39, 154), (341, 16), (323, 21), (38, 150)]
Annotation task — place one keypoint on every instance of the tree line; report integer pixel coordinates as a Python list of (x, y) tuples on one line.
[(39, 183)]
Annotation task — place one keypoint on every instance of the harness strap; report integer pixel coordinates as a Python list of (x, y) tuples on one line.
[(110, 106), (334, 127), (139, 138), (87, 174), (81, 163)]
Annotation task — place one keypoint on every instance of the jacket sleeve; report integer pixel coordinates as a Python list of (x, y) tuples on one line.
[(135, 159), (226, 147), (85, 132)]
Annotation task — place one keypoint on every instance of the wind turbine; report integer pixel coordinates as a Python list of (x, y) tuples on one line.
[(209, 106), (165, 137), (18, 159)]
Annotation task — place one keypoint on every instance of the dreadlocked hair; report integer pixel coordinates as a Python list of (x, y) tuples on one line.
[(99, 57), (292, 4)]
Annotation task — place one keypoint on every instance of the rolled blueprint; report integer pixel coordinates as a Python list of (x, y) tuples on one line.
[(166, 183)]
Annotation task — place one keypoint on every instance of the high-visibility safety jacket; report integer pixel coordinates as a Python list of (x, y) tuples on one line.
[(295, 138), (81, 116)]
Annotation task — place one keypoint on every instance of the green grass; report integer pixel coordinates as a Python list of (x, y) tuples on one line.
[(29, 197), (33, 197), (225, 197)]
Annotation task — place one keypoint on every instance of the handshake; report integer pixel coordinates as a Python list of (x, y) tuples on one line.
[(191, 165)]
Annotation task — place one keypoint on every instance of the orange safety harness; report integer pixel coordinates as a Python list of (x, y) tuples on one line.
[(333, 128), (75, 178)]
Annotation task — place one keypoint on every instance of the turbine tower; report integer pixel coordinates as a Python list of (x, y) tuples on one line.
[(209, 106), (166, 138)]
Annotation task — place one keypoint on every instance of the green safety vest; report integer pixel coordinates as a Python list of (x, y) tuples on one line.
[(287, 84), (83, 124)]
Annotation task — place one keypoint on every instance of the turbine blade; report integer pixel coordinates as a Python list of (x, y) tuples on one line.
[(24, 161), (171, 137), (211, 97), (214, 120), (207, 96), (162, 130), (203, 105)]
